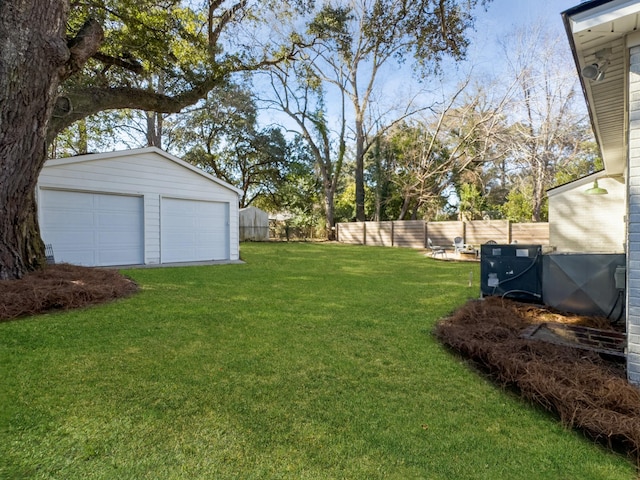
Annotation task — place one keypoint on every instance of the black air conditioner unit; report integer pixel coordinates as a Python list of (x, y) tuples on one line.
[(511, 271)]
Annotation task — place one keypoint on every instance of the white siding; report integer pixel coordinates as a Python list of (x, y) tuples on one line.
[(149, 173), (633, 248), (588, 223)]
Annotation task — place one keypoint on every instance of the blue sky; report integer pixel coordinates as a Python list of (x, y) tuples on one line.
[(503, 16)]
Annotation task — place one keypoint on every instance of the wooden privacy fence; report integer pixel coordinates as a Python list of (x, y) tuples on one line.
[(414, 233)]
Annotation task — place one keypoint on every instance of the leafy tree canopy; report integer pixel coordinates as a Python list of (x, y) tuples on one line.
[(192, 47)]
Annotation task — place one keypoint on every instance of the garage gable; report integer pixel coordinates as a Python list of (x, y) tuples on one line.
[(142, 169)]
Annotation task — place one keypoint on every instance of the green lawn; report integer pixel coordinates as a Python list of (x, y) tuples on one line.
[(311, 361)]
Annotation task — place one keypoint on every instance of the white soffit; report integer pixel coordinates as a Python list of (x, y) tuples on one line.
[(613, 17), (594, 26)]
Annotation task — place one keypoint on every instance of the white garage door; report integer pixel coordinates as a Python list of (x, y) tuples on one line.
[(93, 229), (194, 230)]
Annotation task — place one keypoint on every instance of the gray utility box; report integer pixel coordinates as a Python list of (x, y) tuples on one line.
[(511, 271), (585, 283)]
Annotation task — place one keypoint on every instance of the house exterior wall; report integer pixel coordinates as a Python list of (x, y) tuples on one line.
[(588, 223), (147, 173), (633, 218)]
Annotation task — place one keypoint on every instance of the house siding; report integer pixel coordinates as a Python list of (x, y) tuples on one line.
[(147, 173), (633, 240), (588, 223)]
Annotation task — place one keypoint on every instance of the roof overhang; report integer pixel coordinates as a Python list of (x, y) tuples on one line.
[(598, 31), (578, 183)]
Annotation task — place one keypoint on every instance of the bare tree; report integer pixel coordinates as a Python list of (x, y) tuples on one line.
[(297, 92), (548, 120), (430, 153), (354, 42)]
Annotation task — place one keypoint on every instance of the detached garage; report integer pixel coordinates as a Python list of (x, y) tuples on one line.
[(136, 207)]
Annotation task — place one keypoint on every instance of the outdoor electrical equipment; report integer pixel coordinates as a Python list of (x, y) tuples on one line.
[(585, 283), (511, 271)]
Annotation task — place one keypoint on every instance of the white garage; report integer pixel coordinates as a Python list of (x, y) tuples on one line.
[(136, 207)]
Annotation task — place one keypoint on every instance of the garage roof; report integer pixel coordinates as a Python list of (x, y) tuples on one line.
[(597, 31), (139, 151)]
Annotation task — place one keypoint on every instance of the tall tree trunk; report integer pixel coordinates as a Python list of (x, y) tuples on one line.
[(359, 173), (406, 203), (539, 178), (329, 209), (378, 181), (155, 119), (83, 137), (154, 129), (32, 54)]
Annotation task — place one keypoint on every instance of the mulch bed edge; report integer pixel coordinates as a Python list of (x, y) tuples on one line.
[(584, 390), (61, 287)]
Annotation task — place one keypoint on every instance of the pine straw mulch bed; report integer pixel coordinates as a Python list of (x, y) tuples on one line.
[(583, 389), (61, 287)]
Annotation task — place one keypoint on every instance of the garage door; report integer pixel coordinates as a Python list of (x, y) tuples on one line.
[(194, 230), (93, 229)]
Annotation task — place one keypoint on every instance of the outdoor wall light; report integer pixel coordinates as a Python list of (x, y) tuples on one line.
[(596, 71), (593, 72), (596, 190)]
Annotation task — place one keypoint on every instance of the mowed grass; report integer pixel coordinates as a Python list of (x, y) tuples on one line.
[(310, 361)]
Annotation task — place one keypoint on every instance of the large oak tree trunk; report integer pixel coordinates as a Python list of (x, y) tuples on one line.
[(32, 54)]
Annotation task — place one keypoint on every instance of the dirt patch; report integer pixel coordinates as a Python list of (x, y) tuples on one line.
[(584, 389), (61, 287)]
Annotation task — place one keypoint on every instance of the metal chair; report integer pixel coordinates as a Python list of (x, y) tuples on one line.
[(48, 252), (436, 249)]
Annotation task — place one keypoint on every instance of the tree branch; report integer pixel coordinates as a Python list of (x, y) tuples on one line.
[(82, 47), (131, 65), (82, 102), (224, 19)]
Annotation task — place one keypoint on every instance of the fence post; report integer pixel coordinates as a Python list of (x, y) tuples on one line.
[(509, 231), (464, 232), (364, 233), (393, 234), (425, 235)]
